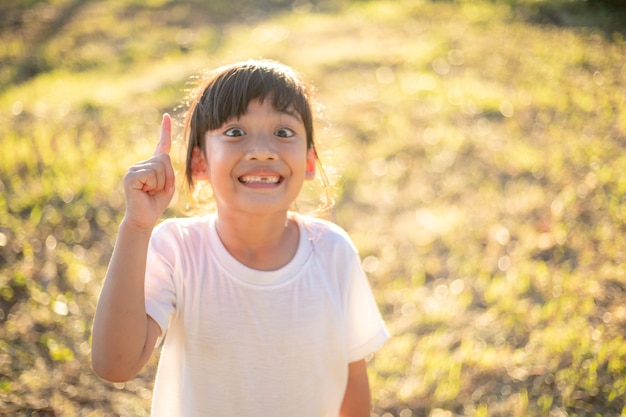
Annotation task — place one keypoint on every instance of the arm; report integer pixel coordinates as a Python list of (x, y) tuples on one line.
[(356, 400), (124, 336)]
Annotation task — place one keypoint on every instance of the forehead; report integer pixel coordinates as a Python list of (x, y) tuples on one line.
[(266, 108), (264, 112)]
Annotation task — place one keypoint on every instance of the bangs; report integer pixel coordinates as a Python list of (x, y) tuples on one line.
[(234, 89)]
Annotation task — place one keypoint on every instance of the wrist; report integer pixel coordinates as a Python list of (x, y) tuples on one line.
[(130, 226)]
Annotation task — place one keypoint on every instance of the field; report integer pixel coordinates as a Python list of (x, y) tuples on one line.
[(477, 154)]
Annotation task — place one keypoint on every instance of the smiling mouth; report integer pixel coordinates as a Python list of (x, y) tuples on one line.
[(260, 180)]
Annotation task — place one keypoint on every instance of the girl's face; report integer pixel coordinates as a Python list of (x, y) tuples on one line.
[(256, 163)]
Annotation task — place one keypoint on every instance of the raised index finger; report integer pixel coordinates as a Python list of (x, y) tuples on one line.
[(165, 141)]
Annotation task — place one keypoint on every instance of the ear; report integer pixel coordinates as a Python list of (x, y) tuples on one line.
[(311, 160), (198, 165)]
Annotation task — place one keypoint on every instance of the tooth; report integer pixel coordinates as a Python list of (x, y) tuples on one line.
[(262, 180)]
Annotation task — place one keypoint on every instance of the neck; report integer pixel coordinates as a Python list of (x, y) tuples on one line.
[(265, 242)]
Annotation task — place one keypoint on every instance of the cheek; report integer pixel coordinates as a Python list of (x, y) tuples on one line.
[(219, 162)]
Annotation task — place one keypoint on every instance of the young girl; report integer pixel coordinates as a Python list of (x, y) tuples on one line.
[(262, 312)]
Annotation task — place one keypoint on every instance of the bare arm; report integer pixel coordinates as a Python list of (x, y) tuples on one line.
[(356, 400), (124, 335)]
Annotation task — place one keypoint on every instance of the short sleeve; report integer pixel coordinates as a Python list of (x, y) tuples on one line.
[(159, 287), (366, 330)]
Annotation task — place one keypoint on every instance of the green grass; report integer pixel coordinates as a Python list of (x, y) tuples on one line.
[(478, 150)]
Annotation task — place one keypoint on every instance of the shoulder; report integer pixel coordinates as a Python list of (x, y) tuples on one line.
[(175, 231), (183, 224), (326, 234)]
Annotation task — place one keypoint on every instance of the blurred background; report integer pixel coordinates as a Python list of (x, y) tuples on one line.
[(477, 155)]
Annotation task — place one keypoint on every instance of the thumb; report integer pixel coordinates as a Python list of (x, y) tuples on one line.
[(165, 141)]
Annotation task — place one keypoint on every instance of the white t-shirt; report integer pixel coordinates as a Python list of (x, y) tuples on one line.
[(242, 342)]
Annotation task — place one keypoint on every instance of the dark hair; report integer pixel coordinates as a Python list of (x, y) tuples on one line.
[(226, 93)]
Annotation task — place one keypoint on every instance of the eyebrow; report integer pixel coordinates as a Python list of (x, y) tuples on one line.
[(291, 111), (287, 112)]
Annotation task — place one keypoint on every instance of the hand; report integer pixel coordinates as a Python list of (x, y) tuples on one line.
[(149, 185)]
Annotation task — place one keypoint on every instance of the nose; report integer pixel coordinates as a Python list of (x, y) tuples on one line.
[(261, 148)]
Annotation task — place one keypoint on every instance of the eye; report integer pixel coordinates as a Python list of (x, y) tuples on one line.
[(284, 133), (234, 132)]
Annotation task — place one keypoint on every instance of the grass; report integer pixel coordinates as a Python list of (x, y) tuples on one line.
[(478, 150)]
